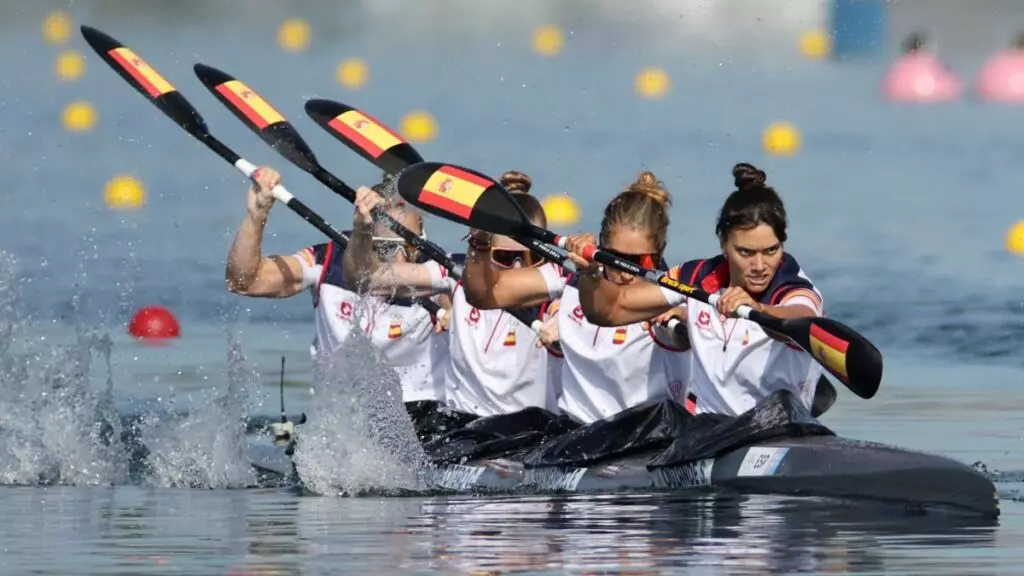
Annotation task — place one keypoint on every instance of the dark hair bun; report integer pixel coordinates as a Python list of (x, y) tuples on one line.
[(748, 176), (516, 181)]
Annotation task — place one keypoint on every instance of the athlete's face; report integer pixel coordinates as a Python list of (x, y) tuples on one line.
[(754, 256), (390, 246), (631, 244)]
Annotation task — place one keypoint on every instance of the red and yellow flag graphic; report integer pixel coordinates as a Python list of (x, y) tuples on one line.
[(510, 338), (365, 132), (251, 104), (619, 337), (830, 350), (395, 330), (453, 190), (151, 81)]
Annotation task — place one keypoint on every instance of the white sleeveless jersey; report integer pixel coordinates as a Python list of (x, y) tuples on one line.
[(403, 331), (495, 366), (735, 363), (608, 370)]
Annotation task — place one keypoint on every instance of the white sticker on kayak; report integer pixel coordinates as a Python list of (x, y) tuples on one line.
[(689, 475), (458, 477), (761, 461)]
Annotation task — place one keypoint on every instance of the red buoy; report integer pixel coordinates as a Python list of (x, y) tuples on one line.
[(154, 323)]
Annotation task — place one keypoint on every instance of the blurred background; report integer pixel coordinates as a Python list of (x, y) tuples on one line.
[(892, 130)]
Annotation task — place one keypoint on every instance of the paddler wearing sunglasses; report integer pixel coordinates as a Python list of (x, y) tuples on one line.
[(402, 330), (604, 370), (736, 363), (495, 366)]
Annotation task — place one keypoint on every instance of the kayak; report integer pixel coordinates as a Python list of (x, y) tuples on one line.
[(809, 466)]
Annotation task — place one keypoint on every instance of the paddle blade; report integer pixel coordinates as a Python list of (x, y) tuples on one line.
[(847, 355), (146, 80), (258, 115), (364, 134), (462, 195), (825, 396)]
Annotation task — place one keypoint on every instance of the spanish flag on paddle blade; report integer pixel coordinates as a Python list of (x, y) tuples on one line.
[(830, 350), (144, 75), (249, 103), (453, 190), (364, 131)]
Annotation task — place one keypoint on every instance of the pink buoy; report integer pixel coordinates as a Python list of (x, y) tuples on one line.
[(1001, 79), (154, 323), (920, 76)]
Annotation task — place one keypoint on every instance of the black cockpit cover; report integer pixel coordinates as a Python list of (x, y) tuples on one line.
[(541, 439)]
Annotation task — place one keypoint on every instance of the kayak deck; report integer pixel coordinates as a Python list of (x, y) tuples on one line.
[(817, 466)]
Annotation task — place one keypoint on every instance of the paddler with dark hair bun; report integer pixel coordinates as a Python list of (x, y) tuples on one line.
[(496, 367), (736, 364), (402, 330)]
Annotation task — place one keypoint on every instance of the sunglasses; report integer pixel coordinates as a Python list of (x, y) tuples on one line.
[(507, 258), (388, 248), (649, 260)]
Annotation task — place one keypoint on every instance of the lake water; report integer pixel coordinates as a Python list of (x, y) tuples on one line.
[(899, 214)]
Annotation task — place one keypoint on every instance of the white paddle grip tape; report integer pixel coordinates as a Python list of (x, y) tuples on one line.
[(743, 311), (245, 167), (672, 323), (536, 325), (282, 193)]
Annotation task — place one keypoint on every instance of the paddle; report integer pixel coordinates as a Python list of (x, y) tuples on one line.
[(168, 100), (382, 146), (475, 200)]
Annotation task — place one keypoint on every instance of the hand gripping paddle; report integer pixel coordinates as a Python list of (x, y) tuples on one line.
[(475, 200)]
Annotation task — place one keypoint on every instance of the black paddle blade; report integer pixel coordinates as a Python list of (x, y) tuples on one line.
[(146, 80), (258, 115), (846, 354), (825, 396), (367, 136), (462, 195)]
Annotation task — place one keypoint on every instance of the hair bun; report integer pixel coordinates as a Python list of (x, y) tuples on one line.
[(748, 176), (516, 181), (647, 184)]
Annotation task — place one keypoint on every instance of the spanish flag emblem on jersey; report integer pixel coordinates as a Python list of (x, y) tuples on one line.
[(250, 104), (372, 136), (619, 337), (395, 330), (144, 75), (510, 338)]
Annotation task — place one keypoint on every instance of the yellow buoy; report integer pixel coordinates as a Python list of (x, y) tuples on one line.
[(781, 139), (815, 44), (293, 35), (352, 73), (561, 209), (418, 126), (79, 116), (57, 27), (1015, 239), (124, 192), (651, 83), (548, 40), (70, 65)]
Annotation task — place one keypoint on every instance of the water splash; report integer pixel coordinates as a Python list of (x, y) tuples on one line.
[(206, 447), (359, 437)]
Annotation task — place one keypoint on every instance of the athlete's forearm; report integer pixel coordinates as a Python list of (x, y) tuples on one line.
[(245, 253)]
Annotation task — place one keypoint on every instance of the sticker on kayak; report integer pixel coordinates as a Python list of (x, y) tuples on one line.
[(689, 475), (555, 479), (761, 461), (456, 477)]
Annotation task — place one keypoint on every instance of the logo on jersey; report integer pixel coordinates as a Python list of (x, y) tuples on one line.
[(345, 311), (704, 322), (474, 317), (395, 329), (510, 338), (577, 314), (619, 338)]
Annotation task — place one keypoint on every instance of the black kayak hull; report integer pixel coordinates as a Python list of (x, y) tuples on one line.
[(813, 466)]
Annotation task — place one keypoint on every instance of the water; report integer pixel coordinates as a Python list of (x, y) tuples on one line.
[(897, 212)]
